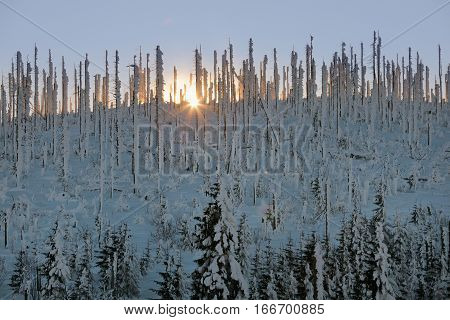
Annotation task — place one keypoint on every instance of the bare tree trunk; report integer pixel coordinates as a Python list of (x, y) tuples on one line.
[(135, 127), (440, 77)]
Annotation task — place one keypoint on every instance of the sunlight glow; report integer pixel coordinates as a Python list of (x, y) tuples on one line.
[(191, 97), (193, 102)]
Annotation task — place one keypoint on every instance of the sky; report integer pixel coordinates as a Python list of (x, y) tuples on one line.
[(73, 28)]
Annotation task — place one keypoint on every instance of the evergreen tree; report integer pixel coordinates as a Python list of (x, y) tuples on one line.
[(119, 266), (84, 283), (179, 288), (184, 234), (399, 252), (379, 211), (356, 250), (368, 262), (335, 283), (255, 274), (165, 230), (172, 283), (309, 259), (271, 287), (127, 264), (292, 288), (266, 271), (218, 274), (243, 243), (20, 279), (432, 261), (417, 215), (145, 261), (55, 268), (309, 283), (442, 290), (105, 263), (375, 255), (419, 271), (414, 280), (292, 269), (164, 290), (318, 255), (318, 198), (382, 273), (356, 254), (281, 276)]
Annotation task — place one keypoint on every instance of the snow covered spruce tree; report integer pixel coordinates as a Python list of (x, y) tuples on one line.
[(145, 262), (119, 266), (55, 269), (265, 272), (377, 264), (383, 274), (218, 274), (255, 274), (442, 287), (291, 271), (84, 282), (244, 241), (172, 285), (20, 281)]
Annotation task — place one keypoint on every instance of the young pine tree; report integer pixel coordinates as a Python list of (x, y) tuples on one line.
[(382, 273), (218, 274), (243, 243), (20, 279), (266, 271), (309, 283), (146, 259), (119, 266), (172, 284), (127, 266), (55, 269), (255, 274), (165, 285), (84, 283)]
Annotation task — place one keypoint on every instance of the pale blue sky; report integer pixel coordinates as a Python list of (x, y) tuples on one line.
[(180, 26)]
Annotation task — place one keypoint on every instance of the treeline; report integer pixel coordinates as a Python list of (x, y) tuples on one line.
[(399, 95)]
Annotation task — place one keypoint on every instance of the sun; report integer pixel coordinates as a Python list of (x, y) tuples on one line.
[(191, 97), (193, 102)]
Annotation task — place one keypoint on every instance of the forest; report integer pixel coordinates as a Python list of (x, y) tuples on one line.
[(252, 180)]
